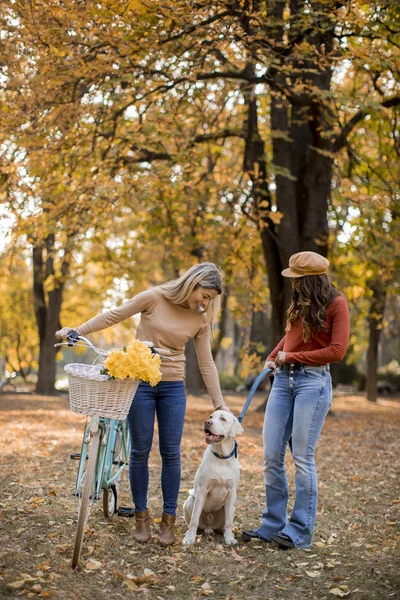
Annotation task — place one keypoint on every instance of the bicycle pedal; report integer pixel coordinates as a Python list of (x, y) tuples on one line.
[(75, 456), (125, 511)]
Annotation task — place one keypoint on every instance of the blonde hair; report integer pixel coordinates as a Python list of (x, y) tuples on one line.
[(205, 275)]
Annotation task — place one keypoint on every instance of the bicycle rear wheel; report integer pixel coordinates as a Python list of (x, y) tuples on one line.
[(87, 497), (110, 493), (115, 468)]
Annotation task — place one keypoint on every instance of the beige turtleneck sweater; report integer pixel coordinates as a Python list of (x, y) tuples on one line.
[(168, 326)]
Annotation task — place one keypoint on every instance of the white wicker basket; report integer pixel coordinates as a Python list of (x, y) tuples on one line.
[(93, 394)]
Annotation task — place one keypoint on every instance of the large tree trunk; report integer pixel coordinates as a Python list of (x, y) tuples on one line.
[(375, 319), (220, 334), (255, 165), (302, 162), (47, 311), (194, 381)]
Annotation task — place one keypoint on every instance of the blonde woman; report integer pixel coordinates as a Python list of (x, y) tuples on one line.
[(171, 315)]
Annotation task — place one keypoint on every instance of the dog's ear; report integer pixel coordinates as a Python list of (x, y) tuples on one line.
[(236, 429)]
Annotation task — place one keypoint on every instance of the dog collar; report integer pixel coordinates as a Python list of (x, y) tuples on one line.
[(234, 452)]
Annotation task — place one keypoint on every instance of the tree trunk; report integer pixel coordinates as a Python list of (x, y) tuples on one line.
[(216, 342), (255, 165), (47, 311), (302, 161), (375, 319), (194, 381)]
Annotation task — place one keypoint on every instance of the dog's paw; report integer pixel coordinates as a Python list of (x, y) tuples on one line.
[(230, 539), (189, 539)]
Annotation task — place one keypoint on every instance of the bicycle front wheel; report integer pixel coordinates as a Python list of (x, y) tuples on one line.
[(87, 497)]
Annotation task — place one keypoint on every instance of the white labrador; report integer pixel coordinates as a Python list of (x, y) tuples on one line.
[(211, 503)]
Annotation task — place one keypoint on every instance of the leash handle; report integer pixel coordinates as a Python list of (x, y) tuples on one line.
[(253, 389)]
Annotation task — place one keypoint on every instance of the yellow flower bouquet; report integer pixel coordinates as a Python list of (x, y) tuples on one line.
[(135, 362)]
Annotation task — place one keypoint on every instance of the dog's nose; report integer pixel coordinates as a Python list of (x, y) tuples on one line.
[(209, 422)]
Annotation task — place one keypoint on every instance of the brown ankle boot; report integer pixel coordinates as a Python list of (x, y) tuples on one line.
[(167, 533), (142, 531)]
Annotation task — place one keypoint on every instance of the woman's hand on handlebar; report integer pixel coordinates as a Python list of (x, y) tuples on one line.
[(62, 333)]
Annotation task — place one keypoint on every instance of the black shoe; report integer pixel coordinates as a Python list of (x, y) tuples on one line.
[(247, 536), (284, 541)]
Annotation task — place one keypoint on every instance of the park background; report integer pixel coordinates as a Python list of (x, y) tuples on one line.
[(140, 137)]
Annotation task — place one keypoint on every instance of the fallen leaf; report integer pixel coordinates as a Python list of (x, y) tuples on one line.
[(130, 584), (331, 539), (338, 592), (236, 555), (17, 584), (313, 573), (145, 578), (93, 564), (206, 589)]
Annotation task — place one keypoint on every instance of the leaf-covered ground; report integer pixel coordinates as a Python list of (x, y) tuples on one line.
[(356, 545)]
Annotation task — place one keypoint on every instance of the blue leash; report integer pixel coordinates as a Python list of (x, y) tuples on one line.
[(253, 389)]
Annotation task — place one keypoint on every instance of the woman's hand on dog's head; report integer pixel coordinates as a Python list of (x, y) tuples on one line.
[(224, 407)]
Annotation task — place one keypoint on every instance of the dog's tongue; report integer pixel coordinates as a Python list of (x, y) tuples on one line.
[(213, 439)]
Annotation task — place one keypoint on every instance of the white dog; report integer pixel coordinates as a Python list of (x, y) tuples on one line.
[(211, 504)]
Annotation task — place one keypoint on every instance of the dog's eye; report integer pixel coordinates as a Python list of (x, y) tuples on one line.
[(222, 419)]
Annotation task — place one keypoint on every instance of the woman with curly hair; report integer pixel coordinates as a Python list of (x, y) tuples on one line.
[(317, 333)]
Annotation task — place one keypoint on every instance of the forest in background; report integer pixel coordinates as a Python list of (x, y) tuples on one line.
[(137, 138)]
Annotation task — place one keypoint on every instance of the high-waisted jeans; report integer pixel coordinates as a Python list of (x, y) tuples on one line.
[(297, 407), (168, 400)]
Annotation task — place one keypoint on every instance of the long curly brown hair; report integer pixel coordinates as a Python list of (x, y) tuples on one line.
[(312, 295)]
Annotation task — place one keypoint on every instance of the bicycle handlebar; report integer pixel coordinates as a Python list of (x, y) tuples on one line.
[(73, 339)]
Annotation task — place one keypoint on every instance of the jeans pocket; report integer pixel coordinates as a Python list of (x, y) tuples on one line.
[(314, 372)]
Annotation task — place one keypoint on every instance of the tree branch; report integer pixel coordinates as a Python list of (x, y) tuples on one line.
[(348, 128), (218, 135)]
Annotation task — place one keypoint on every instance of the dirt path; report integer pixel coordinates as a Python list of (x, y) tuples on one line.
[(356, 545)]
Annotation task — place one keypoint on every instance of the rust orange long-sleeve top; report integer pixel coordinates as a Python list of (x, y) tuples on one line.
[(324, 347)]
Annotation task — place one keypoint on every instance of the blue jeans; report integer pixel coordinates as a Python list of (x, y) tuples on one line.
[(297, 407), (168, 401)]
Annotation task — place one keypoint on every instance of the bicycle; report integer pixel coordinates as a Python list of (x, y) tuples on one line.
[(106, 444), (7, 380)]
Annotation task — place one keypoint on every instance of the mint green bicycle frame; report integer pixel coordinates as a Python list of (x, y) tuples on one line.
[(105, 475)]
